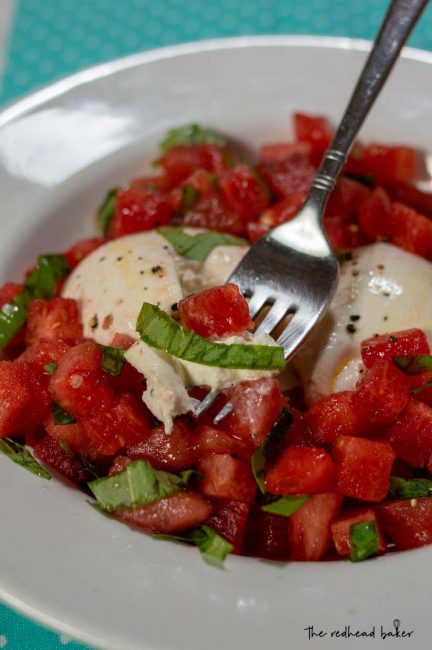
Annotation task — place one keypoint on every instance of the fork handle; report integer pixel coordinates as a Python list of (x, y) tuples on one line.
[(397, 25)]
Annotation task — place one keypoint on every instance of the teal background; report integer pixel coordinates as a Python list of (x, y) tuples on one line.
[(53, 38)]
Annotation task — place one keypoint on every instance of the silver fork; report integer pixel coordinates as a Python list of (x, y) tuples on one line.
[(292, 269)]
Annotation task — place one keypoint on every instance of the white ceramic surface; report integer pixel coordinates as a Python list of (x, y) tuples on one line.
[(60, 560)]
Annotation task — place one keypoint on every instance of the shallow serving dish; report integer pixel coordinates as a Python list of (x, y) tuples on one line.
[(63, 563)]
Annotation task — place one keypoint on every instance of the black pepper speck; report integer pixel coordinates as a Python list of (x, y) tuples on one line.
[(351, 329), (354, 317)]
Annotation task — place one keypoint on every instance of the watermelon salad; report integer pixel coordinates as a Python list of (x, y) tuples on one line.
[(107, 348)]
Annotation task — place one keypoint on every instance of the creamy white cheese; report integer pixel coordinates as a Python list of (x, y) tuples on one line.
[(110, 286), (382, 289)]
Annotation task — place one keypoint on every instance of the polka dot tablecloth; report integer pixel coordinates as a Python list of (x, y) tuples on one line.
[(52, 38)]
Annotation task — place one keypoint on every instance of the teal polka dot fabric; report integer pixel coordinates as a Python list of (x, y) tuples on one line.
[(53, 38)]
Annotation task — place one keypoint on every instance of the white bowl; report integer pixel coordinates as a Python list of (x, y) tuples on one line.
[(63, 563)]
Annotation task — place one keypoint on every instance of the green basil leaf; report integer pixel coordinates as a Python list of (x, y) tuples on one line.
[(212, 546), (60, 416), (190, 134), (267, 450), (413, 488), (106, 212), (190, 196), (364, 540), (42, 281), (113, 360), (20, 455), (414, 364), (286, 506), (160, 331), (50, 368), (13, 316), (136, 486), (198, 247)]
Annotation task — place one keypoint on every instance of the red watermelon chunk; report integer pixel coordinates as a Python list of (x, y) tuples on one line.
[(52, 320), (180, 162), (385, 162), (9, 291), (410, 195), (219, 312), (341, 529), (257, 405), (243, 192), (314, 130), (282, 150), (65, 463), (210, 440), (410, 230), (309, 527), (225, 477), (81, 249), (363, 467), (301, 470), (408, 522), (346, 199), (267, 535), (229, 520), (374, 215), (43, 352), (172, 452), (212, 212), (138, 210), (382, 393), (333, 416), (173, 514), (411, 434), (24, 401), (387, 346), (287, 176), (284, 210), (79, 384)]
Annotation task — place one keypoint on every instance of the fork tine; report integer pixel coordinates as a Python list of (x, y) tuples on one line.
[(293, 334), (206, 402), (274, 316), (226, 410), (256, 303)]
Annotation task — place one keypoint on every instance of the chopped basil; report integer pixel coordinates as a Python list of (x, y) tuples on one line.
[(85, 462), (198, 247), (212, 546), (190, 196), (20, 455), (286, 506), (160, 331), (50, 368), (413, 488), (41, 283), (106, 212), (113, 360), (60, 416), (414, 364), (267, 450), (190, 134), (136, 486), (364, 540)]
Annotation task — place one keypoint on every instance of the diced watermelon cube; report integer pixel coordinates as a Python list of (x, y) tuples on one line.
[(125, 422), (180, 162), (123, 341), (315, 130), (299, 432), (173, 514), (160, 182), (210, 440), (42, 353), (411, 434), (420, 381), (200, 180), (342, 234), (410, 195), (51, 320), (282, 150), (407, 522), (72, 435), (382, 393), (288, 176), (410, 230), (301, 470), (385, 162), (341, 529), (374, 215), (387, 346), (138, 210), (257, 405), (267, 535), (9, 291), (333, 416), (212, 212), (346, 199), (309, 526), (219, 312), (81, 249), (24, 400), (244, 193), (229, 519), (79, 384), (66, 463), (363, 467), (173, 452), (225, 477)]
